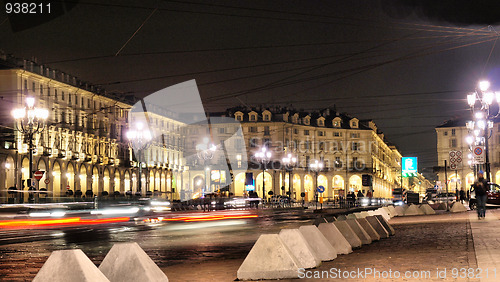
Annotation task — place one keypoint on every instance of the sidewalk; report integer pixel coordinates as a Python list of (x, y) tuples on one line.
[(423, 245), (487, 244)]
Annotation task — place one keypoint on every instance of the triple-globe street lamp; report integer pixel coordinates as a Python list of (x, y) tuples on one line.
[(480, 128), (263, 156), (317, 166), (205, 152), (139, 139), (29, 121)]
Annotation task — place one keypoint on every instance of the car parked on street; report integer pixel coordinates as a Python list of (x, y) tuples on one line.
[(493, 199)]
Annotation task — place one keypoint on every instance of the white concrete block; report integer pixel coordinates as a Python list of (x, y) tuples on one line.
[(389, 212), (369, 229), (129, 262), (300, 248), (364, 214), (427, 209), (359, 215), (348, 233), (400, 211), (269, 258), (319, 244), (393, 210), (363, 236), (335, 238), (386, 225), (378, 227), (384, 213), (351, 216), (458, 207), (341, 217), (412, 210), (69, 265)]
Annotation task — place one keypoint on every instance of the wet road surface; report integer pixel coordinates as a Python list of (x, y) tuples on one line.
[(23, 252)]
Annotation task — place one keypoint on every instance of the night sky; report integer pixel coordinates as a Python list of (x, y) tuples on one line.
[(407, 65)]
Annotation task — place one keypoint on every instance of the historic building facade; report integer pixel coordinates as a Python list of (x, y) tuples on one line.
[(84, 145), (451, 136), (347, 147)]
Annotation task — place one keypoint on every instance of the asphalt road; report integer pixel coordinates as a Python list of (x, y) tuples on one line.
[(23, 252)]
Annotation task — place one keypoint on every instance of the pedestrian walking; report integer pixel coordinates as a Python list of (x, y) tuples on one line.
[(480, 187), (462, 196)]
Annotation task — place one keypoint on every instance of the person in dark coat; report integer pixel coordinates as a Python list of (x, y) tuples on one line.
[(480, 188), (462, 196)]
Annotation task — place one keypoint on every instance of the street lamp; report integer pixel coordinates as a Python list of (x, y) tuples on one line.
[(263, 156), (30, 121), (316, 167), (289, 162), (205, 152), (139, 139), (480, 129)]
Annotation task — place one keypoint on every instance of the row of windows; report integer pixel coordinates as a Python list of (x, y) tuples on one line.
[(322, 133), (72, 98), (307, 120), (307, 145), (453, 132)]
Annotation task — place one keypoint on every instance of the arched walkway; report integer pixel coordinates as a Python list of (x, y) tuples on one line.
[(56, 180), (296, 186), (239, 184), (117, 186), (308, 188), (268, 180), (355, 183), (83, 179), (95, 181)]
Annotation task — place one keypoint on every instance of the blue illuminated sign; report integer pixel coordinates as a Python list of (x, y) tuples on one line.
[(409, 165)]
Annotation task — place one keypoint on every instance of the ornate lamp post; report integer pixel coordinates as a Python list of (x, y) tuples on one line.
[(139, 139), (30, 121), (316, 167), (480, 129), (263, 156), (205, 152), (289, 162)]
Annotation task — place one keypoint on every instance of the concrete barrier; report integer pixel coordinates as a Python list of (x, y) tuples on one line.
[(129, 262), (458, 207), (299, 247), (360, 232), (378, 227), (393, 210), (427, 209), (341, 217), (318, 242), (369, 229), (351, 216), (335, 238), (412, 210), (348, 233), (359, 215), (389, 212), (386, 225), (69, 265), (384, 213), (364, 214), (269, 258), (399, 210)]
